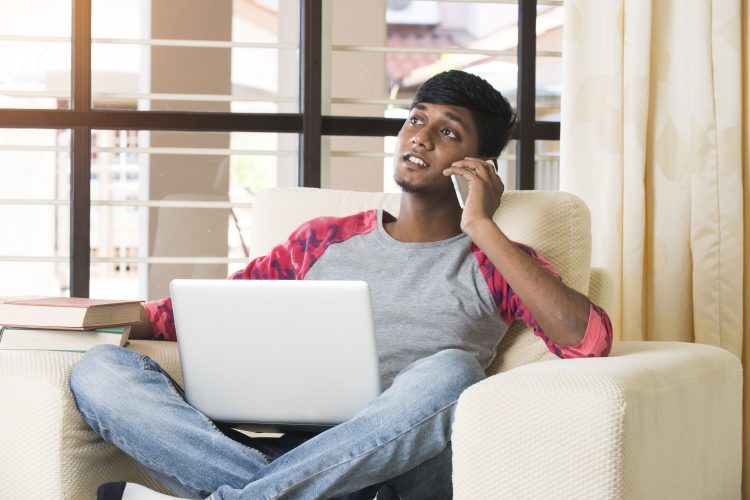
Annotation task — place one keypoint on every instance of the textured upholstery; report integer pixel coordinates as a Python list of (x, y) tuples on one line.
[(46, 449), (657, 420)]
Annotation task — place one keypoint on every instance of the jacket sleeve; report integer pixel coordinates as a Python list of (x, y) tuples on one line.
[(597, 340), (284, 262)]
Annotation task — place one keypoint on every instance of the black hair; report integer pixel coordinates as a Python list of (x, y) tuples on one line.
[(492, 113)]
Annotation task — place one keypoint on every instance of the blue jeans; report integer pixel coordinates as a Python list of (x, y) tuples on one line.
[(402, 437)]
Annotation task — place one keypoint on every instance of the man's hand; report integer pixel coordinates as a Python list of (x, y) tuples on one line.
[(485, 190)]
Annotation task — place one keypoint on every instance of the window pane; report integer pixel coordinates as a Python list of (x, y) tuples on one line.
[(355, 163), (506, 165), (163, 55), (376, 68), (380, 67), (178, 204), (34, 164), (549, 28), (33, 278), (115, 280), (35, 54), (34, 211), (547, 165)]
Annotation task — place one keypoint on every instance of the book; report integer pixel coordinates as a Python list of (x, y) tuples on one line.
[(12, 338), (68, 313)]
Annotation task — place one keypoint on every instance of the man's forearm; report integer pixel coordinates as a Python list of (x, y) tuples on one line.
[(561, 312), (142, 330)]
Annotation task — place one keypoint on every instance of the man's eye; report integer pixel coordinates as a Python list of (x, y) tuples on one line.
[(414, 120), (449, 133)]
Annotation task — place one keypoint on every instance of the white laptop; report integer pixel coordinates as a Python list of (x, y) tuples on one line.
[(286, 353)]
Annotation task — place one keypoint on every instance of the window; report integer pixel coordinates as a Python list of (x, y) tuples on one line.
[(134, 135), (34, 208), (377, 71), (35, 54)]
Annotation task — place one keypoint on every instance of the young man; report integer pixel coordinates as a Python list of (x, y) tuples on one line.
[(445, 284)]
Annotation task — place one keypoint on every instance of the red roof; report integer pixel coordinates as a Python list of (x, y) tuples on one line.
[(400, 64)]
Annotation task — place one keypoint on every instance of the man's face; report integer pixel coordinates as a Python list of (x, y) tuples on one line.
[(431, 139)]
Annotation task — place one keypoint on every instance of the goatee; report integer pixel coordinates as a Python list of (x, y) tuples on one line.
[(406, 187)]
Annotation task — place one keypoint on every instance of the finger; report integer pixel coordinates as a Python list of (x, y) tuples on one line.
[(486, 164), (464, 172), (475, 172), (476, 167), (471, 161), (490, 168)]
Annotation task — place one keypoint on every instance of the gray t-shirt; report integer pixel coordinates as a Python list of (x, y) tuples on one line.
[(426, 297)]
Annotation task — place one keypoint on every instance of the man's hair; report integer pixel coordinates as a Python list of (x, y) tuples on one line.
[(492, 113)]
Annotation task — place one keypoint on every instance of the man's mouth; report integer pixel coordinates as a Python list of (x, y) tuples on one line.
[(416, 160)]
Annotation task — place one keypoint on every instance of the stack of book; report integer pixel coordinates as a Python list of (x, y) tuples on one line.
[(65, 323)]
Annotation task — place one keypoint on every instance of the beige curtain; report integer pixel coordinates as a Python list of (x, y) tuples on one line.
[(746, 227), (652, 140)]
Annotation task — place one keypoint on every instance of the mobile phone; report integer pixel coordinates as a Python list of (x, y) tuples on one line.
[(461, 185)]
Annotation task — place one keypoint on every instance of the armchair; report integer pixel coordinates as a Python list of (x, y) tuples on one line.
[(655, 420)]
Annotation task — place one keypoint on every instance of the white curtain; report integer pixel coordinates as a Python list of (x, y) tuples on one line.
[(652, 140)]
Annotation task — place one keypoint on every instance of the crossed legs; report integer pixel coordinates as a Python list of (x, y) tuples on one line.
[(401, 437)]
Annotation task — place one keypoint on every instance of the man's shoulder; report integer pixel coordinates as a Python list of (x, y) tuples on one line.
[(358, 223)]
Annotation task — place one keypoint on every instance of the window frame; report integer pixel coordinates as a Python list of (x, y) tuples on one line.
[(309, 123)]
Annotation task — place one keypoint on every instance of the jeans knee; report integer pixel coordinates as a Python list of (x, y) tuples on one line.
[(460, 365), (92, 372), (450, 371)]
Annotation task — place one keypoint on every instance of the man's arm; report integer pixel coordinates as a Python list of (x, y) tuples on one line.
[(561, 312)]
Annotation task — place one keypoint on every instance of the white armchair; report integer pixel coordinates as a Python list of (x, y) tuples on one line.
[(655, 420)]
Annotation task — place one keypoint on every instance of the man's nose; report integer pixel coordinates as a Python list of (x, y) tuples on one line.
[(423, 138)]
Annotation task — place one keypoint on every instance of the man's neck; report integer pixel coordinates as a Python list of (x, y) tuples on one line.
[(424, 220)]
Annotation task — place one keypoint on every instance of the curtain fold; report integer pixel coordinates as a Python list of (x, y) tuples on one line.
[(652, 139), (745, 47)]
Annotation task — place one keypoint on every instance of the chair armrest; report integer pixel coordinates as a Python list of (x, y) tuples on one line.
[(654, 420), (48, 451)]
